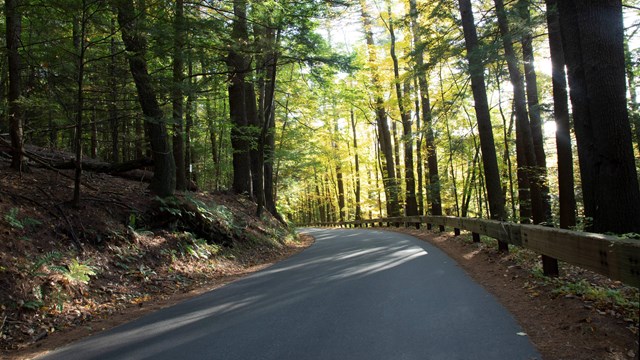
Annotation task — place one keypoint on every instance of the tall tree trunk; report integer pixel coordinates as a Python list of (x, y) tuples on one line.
[(189, 159), (593, 36), (419, 137), (270, 129), (163, 182), (357, 190), (534, 111), (433, 185), (266, 140), (140, 139), (411, 206), (396, 150), (321, 208), (113, 97), (489, 158), (634, 106), (561, 116), (14, 29), (94, 134), (79, 35), (238, 65), (384, 137), (340, 184), (177, 94), (523, 130)]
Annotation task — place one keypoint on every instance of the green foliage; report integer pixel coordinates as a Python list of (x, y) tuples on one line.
[(597, 294), (12, 218), (189, 245), (44, 261), (132, 221), (170, 205), (76, 272), (631, 235), (145, 272), (128, 253), (217, 214)]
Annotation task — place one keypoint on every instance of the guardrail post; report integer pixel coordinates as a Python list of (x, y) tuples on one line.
[(428, 226), (550, 266), (476, 237), (456, 232), (441, 228)]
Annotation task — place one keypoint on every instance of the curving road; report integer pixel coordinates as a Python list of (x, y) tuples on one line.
[(354, 294)]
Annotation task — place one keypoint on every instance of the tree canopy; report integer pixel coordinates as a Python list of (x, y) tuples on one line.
[(342, 110)]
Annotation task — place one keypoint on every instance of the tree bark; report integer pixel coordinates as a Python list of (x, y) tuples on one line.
[(163, 182), (177, 100), (592, 33), (384, 136), (79, 35), (357, 190), (113, 97), (433, 186), (411, 205), (634, 106), (528, 166), (238, 65), (533, 104), (489, 158), (419, 158), (189, 158), (561, 115), (266, 139), (15, 111)]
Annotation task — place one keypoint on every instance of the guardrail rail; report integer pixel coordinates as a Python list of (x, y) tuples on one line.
[(612, 256)]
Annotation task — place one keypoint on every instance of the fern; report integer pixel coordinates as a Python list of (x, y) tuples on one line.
[(79, 272), (12, 218), (170, 205), (46, 259), (75, 272)]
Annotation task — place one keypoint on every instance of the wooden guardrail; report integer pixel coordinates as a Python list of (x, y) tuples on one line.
[(615, 257)]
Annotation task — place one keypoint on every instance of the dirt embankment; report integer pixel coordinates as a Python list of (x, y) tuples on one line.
[(67, 272)]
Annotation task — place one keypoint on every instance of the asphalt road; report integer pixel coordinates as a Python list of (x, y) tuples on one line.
[(354, 294)]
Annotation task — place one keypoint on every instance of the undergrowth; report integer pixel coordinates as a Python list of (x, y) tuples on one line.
[(141, 257), (597, 291)]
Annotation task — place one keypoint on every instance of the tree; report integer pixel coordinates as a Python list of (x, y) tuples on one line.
[(483, 117), (433, 186), (240, 96), (177, 94), (384, 136), (592, 35), (533, 105), (561, 115), (527, 164), (357, 189), (80, 46), (411, 206), (163, 182), (15, 111)]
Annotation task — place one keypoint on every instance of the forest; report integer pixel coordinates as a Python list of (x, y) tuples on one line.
[(320, 111), (154, 149)]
